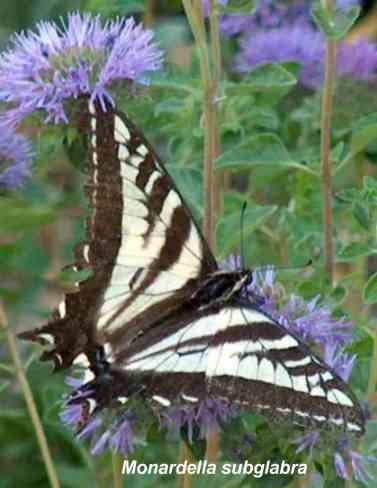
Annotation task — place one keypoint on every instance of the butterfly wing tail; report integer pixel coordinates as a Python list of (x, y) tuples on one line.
[(64, 346)]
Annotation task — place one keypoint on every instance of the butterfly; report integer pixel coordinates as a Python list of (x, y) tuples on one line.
[(158, 318)]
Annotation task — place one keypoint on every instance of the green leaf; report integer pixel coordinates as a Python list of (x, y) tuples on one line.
[(264, 117), (4, 385), (336, 23), (228, 229), (361, 214), (260, 150), (369, 183), (363, 132), (237, 7), (175, 81), (354, 250), (190, 184), (170, 105), (19, 215), (370, 290), (74, 476), (337, 152), (338, 294), (349, 195), (132, 6), (7, 368), (263, 79), (369, 192)]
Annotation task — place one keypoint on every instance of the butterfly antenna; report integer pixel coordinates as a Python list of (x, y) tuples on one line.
[(242, 235), (307, 264)]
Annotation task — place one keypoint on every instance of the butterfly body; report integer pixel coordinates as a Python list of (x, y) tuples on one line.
[(221, 286), (158, 319)]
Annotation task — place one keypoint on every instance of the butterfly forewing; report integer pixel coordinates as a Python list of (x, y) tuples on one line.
[(144, 249)]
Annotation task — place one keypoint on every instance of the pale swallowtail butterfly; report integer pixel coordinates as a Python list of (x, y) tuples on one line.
[(157, 318)]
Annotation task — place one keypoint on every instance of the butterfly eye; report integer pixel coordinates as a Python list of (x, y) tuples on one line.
[(249, 280)]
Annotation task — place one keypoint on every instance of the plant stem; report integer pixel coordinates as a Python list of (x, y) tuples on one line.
[(117, 470), (210, 80), (149, 13), (372, 383), (219, 181), (326, 171), (184, 480), (28, 395)]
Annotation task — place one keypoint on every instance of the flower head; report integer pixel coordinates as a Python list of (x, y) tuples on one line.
[(113, 427), (279, 32), (16, 158), (309, 320), (268, 14), (307, 441), (340, 466), (119, 436), (72, 415), (359, 466), (356, 461), (299, 44), (207, 416), (340, 361), (123, 439), (44, 68), (90, 428)]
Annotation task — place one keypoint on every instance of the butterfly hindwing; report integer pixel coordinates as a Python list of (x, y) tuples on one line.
[(241, 356)]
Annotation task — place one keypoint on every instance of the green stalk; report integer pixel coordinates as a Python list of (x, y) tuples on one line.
[(326, 170), (117, 470), (372, 383), (215, 45), (30, 404), (210, 82), (149, 13), (185, 480)]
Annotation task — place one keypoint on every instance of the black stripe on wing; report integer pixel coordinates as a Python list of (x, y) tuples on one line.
[(248, 360), (144, 249)]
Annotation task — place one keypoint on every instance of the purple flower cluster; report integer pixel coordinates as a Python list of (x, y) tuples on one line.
[(307, 441), (283, 32), (268, 15), (43, 69), (118, 435), (356, 461), (16, 158), (311, 321), (302, 45), (207, 417)]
